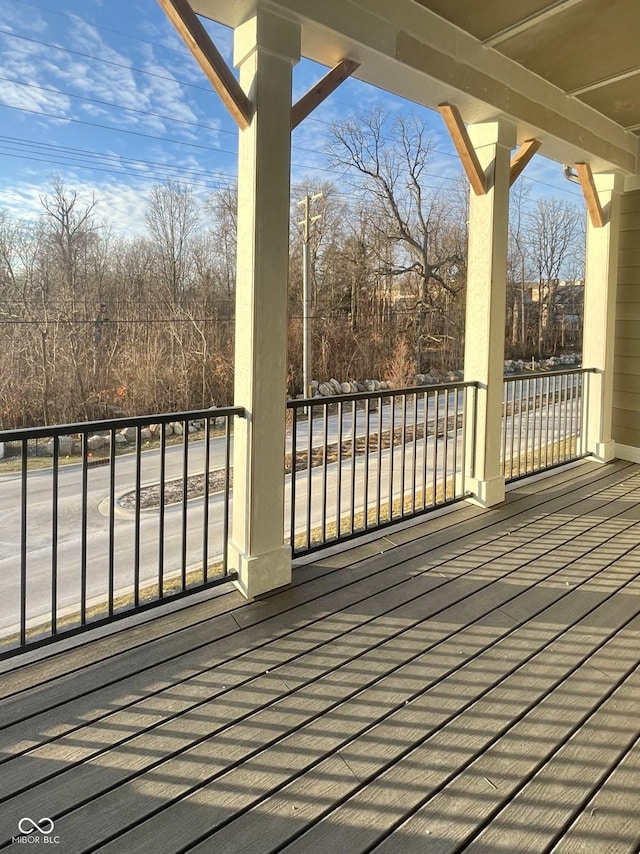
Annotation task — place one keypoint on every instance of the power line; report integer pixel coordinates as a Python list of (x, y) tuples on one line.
[(65, 150), (111, 104), (106, 61), (441, 152), (99, 26)]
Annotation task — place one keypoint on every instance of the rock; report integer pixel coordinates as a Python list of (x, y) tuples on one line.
[(129, 434), (336, 386), (383, 385), (370, 385), (94, 443), (326, 389), (168, 430), (314, 385), (345, 388), (146, 435), (120, 439), (177, 428)]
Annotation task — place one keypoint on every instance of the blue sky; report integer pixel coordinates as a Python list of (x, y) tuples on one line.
[(104, 94)]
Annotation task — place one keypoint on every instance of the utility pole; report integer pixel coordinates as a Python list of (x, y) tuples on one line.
[(306, 290)]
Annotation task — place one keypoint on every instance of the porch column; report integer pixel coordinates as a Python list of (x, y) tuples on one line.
[(485, 311), (598, 335), (266, 47)]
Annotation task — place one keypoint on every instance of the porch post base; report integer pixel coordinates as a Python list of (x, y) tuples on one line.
[(259, 574), (603, 452), (485, 493)]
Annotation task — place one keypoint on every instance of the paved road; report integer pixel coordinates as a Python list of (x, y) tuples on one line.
[(332, 498)]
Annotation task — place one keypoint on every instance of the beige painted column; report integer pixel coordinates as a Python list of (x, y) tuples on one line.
[(486, 306), (266, 47), (599, 317)]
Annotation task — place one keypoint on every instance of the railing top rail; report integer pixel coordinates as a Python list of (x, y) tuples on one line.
[(373, 395), (117, 423), (532, 375)]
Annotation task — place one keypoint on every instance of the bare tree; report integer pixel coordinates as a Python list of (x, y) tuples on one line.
[(172, 221), (556, 244), (389, 159)]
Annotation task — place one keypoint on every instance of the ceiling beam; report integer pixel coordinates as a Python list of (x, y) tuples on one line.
[(605, 81), (464, 147), (590, 193), (530, 21), (209, 59), (522, 157), (318, 93)]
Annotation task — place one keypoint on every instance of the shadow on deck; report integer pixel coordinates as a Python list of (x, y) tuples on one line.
[(469, 683)]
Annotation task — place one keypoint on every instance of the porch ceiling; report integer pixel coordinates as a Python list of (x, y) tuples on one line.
[(588, 49), (566, 72)]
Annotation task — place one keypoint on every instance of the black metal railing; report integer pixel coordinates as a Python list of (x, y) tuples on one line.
[(544, 421), (360, 462), (105, 518)]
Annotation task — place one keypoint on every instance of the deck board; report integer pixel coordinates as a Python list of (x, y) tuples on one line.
[(366, 706)]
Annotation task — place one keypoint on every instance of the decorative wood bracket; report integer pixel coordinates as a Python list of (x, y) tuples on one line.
[(522, 157), (464, 147), (590, 193), (317, 94), (209, 59)]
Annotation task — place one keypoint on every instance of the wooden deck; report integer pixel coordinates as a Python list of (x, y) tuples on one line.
[(470, 683)]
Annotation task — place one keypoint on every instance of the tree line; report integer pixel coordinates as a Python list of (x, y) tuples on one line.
[(96, 325)]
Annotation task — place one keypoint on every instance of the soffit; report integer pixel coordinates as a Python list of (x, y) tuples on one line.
[(589, 49)]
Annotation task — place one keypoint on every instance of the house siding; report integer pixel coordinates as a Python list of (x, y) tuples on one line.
[(626, 379)]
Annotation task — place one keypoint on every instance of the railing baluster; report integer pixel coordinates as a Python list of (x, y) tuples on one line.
[(339, 471), (454, 461), (425, 444), (379, 454), (325, 471), (415, 453), (205, 508), (185, 487), (227, 495), (23, 543), (136, 544), (161, 515), (352, 503), (112, 521), (54, 535), (445, 469), (463, 441), (293, 467), (436, 430), (310, 409), (83, 536), (367, 432), (544, 406), (392, 431)]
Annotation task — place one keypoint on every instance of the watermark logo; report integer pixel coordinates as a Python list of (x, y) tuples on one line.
[(28, 825), (36, 832)]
